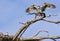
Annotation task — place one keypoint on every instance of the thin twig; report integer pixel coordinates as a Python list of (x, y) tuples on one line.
[(21, 23), (51, 15), (51, 21), (39, 32)]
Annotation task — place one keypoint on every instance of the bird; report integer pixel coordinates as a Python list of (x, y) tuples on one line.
[(39, 9)]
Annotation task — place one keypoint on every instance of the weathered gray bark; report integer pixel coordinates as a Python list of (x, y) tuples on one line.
[(23, 29)]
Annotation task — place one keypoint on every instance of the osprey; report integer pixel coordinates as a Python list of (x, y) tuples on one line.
[(39, 9)]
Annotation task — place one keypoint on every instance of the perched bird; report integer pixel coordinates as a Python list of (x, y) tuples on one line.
[(39, 9)]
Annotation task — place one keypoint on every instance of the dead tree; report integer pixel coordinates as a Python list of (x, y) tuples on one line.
[(27, 24)]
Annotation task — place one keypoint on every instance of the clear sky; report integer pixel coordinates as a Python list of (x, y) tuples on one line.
[(13, 11)]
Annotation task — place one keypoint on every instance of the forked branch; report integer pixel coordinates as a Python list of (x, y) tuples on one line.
[(42, 38)]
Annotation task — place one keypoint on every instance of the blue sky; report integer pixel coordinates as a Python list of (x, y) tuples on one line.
[(13, 11)]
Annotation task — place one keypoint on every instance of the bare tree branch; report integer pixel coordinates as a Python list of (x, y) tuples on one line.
[(21, 23), (54, 39), (27, 24), (22, 32), (39, 32), (51, 21), (42, 38), (51, 15)]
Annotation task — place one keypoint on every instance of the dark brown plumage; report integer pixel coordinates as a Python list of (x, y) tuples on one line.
[(40, 10), (33, 7)]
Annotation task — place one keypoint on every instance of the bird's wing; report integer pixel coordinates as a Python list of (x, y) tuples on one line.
[(52, 6), (33, 7)]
